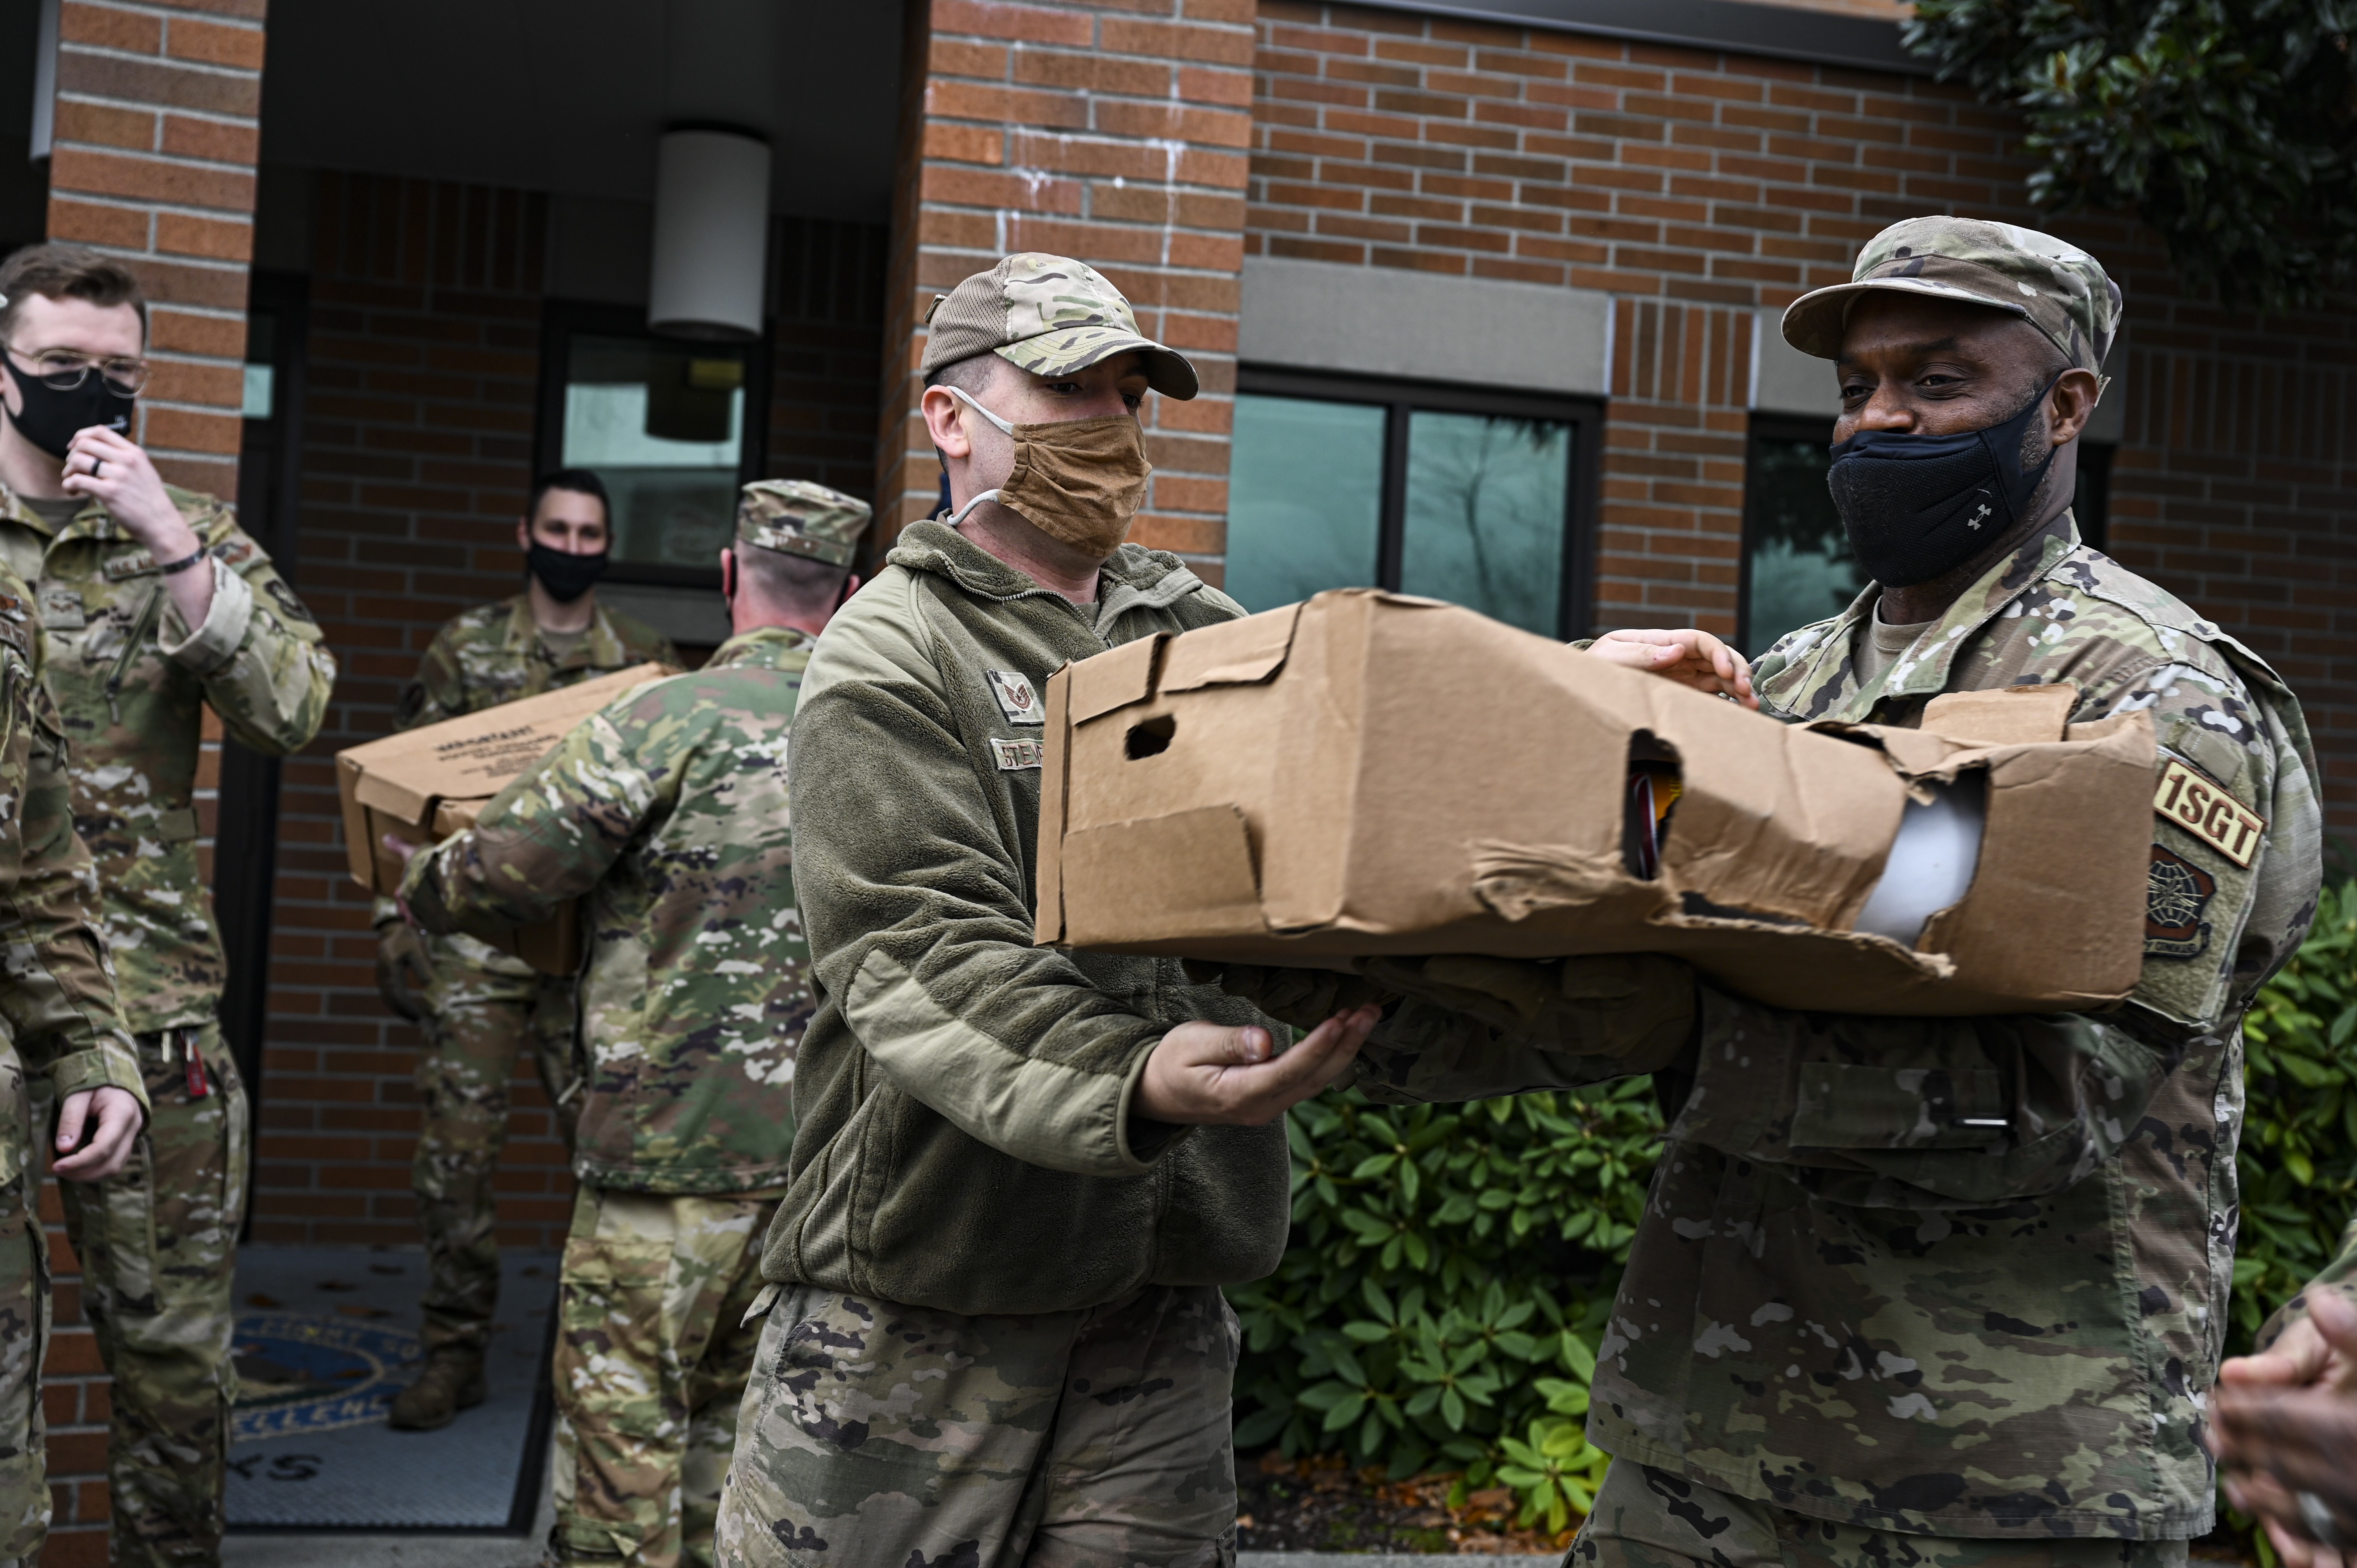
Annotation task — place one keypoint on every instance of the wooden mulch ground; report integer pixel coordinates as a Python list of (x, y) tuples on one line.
[(1323, 1505)]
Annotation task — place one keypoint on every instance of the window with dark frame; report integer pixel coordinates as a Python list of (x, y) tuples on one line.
[(1797, 565), (672, 425), (1483, 498)]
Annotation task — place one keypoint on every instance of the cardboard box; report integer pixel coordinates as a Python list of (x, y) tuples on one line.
[(423, 785), (1368, 774)]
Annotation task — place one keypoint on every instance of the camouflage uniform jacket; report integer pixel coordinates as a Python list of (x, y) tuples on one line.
[(493, 654), (59, 1014), (668, 810), (131, 681), (965, 1139), (1844, 1301)]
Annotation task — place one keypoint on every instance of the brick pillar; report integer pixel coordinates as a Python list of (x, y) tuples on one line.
[(1115, 133), (1670, 547), (157, 133)]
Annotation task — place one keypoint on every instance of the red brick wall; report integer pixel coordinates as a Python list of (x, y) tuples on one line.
[(156, 137), (424, 371), (828, 319), (1694, 186), (1112, 133)]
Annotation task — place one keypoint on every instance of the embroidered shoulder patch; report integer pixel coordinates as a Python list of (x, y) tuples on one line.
[(1014, 755), (1015, 698), (2177, 892), (2209, 813)]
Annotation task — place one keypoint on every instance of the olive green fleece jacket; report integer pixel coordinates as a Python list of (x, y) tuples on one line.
[(962, 1098)]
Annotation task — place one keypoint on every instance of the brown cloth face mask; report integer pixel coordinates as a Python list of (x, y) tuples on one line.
[(1081, 481)]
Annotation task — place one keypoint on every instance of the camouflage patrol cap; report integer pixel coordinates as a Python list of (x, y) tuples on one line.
[(1046, 313), (2057, 288), (795, 517)]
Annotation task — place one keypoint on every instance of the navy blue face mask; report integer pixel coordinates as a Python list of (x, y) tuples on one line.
[(1916, 507)]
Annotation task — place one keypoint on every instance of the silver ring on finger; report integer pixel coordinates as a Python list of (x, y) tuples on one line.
[(2315, 1518)]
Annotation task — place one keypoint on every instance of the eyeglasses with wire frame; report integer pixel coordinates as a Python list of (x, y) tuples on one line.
[(65, 370)]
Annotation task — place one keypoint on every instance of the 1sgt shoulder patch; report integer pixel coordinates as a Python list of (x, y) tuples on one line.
[(1015, 698), (1014, 755), (2209, 813), (2176, 893)]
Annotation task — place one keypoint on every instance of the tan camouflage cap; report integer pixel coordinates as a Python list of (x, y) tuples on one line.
[(2057, 288), (796, 517), (1045, 313)]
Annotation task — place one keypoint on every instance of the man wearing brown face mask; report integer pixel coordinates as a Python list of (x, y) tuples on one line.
[(994, 1328)]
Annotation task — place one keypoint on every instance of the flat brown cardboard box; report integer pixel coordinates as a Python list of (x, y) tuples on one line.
[(1371, 774), (423, 785)]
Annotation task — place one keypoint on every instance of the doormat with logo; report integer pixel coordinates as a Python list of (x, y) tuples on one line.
[(325, 1336)]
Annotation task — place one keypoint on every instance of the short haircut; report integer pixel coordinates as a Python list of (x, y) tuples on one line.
[(792, 582), (971, 375), (580, 481), (68, 272)]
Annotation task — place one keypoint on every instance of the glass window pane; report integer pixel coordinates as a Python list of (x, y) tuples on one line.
[(1801, 566), (1305, 498), (1486, 514), (663, 424)]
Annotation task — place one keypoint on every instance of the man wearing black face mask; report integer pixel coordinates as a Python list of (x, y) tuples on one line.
[(479, 1008), (153, 605), (1950, 1290)]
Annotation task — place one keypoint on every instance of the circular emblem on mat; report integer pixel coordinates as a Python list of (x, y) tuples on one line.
[(300, 1373)]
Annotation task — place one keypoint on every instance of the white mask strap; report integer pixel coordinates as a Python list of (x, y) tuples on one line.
[(959, 516), (959, 392)]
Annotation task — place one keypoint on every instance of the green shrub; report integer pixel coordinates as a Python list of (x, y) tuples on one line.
[(1450, 1272), (2298, 1160), (1451, 1265)]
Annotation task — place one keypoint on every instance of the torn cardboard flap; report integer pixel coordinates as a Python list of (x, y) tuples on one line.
[(1364, 775)]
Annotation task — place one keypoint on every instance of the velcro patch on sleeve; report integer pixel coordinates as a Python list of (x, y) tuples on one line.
[(1014, 755), (2209, 813)]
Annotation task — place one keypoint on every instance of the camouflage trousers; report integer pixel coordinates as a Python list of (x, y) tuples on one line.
[(874, 1434), (23, 1343), (653, 1352), (158, 1246), (1646, 1517), (482, 1010)]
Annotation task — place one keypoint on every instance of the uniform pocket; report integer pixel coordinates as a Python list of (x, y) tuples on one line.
[(1845, 1105)]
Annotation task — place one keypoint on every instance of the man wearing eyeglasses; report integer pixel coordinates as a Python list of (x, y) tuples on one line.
[(153, 605)]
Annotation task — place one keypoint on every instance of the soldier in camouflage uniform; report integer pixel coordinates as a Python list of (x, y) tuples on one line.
[(668, 812), (481, 1008), (65, 1028), (1856, 1326), (153, 605), (1020, 1175)]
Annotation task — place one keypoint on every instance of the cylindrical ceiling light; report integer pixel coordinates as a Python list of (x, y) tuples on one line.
[(711, 235)]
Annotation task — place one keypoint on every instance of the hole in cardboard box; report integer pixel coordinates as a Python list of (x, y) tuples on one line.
[(1655, 785), (1150, 738)]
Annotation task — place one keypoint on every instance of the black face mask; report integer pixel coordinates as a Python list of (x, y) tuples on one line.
[(1918, 506), (566, 577), (51, 419)]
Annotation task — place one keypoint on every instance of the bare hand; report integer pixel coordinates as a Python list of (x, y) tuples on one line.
[(2285, 1422), (1690, 657), (117, 470), (2305, 1354), (1201, 1073), (112, 1118)]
